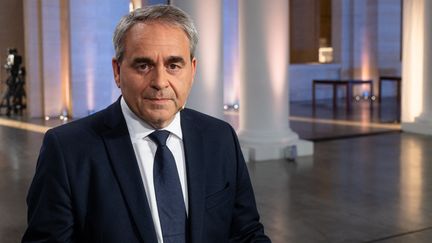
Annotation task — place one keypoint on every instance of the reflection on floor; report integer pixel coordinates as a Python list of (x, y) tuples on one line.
[(326, 123), (355, 188), (365, 189), (329, 123)]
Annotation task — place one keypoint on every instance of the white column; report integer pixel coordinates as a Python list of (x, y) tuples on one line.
[(207, 91), (412, 57), (43, 46), (422, 20), (134, 4), (51, 55), (426, 115), (264, 103), (33, 64)]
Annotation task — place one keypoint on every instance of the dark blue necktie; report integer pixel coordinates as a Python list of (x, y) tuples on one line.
[(169, 196)]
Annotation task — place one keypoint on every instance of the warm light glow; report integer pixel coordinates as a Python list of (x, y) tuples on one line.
[(277, 47), (65, 58), (411, 181), (90, 78), (134, 4), (361, 124), (325, 54), (365, 44), (412, 70), (66, 93), (234, 92), (90, 92), (209, 26), (24, 125), (366, 59), (366, 65)]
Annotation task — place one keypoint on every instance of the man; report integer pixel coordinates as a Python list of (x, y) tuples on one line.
[(104, 178)]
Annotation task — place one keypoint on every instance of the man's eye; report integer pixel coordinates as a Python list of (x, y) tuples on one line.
[(143, 66), (173, 66)]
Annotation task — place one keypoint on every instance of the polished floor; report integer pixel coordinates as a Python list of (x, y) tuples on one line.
[(365, 189), (366, 182)]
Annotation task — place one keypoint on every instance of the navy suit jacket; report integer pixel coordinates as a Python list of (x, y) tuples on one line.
[(88, 188)]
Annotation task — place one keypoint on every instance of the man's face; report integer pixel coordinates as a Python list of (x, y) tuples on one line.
[(156, 72)]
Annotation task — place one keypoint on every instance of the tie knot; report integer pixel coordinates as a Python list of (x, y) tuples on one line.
[(159, 137)]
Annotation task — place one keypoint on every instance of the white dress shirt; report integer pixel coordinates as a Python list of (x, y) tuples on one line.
[(145, 150)]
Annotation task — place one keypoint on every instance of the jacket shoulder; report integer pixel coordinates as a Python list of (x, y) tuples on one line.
[(204, 121), (92, 124)]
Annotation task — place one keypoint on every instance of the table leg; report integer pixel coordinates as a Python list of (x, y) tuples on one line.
[(398, 92), (370, 96), (313, 95), (349, 91), (379, 90), (399, 99), (334, 96)]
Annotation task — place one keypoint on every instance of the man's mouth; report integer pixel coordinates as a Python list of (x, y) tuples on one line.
[(159, 100)]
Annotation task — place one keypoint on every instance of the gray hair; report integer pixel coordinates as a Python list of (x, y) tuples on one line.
[(161, 13)]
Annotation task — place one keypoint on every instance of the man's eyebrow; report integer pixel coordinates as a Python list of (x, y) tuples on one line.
[(175, 59), (143, 60)]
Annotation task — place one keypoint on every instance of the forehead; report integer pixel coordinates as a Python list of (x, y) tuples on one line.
[(156, 36)]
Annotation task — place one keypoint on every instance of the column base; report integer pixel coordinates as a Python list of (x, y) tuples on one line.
[(421, 125), (259, 146)]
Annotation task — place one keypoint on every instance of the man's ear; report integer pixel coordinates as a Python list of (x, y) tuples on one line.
[(194, 65), (116, 71)]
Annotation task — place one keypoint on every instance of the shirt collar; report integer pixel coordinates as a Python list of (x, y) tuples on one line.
[(139, 128)]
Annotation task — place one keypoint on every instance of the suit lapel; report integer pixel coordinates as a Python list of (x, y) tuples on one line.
[(125, 166), (193, 146)]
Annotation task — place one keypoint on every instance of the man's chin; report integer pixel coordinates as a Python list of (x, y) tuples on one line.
[(158, 117)]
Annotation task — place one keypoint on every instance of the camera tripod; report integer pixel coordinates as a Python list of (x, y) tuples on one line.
[(14, 98)]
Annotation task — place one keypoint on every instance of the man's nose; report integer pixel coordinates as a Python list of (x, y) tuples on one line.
[(159, 78)]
